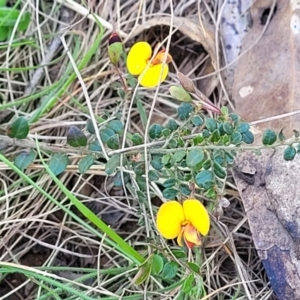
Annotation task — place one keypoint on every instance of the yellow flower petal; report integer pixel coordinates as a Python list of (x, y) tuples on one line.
[(151, 77), (197, 214), (169, 218), (138, 57), (191, 236), (180, 237)]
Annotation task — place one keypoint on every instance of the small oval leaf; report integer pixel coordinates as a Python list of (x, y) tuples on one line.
[(155, 131), (116, 126), (58, 163), (248, 137), (153, 176), (105, 134), (179, 93), (85, 163), (95, 146), (24, 159), (76, 138), (112, 164), (289, 153), (269, 137), (19, 129), (157, 264), (113, 142), (184, 110), (137, 139), (90, 127), (236, 138), (219, 170), (194, 157), (170, 270), (170, 193), (203, 177)]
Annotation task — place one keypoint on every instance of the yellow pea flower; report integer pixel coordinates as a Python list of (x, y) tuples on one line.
[(185, 221), (138, 59)]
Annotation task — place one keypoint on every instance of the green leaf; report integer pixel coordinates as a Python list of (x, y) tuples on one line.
[(112, 164), (236, 138), (153, 176), (197, 121), (170, 270), (155, 131), (211, 124), (118, 182), (194, 157), (207, 164), (24, 159), (121, 93), (224, 110), (143, 273), (281, 135), (289, 153), (269, 137), (184, 110), (85, 163), (170, 193), (166, 158), (235, 118), (58, 163), (19, 128), (116, 126), (156, 161), (105, 134), (205, 133), (178, 155), (211, 194), (95, 146), (195, 267), (172, 125), (172, 144), (139, 168), (9, 17), (188, 284), (203, 177), (113, 142), (248, 137), (178, 253), (157, 264), (215, 136), (141, 181), (3, 3), (169, 182), (219, 170), (137, 139), (243, 127), (4, 33), (198, 140), (90, 127), (228, 128), (184, 189), (179, 93), (76, 138), (166, 132), (229, 156)]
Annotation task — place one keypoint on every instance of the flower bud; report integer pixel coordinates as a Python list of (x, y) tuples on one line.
[(186, 83), (115, 48)]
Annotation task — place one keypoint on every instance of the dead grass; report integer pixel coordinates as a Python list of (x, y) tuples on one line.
[(34, 231)]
